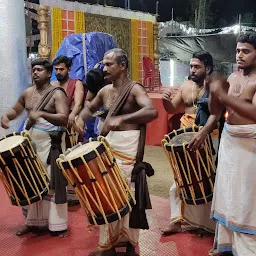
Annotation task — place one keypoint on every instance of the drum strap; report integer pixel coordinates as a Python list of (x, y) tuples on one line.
[(44, 101), (116, 109)]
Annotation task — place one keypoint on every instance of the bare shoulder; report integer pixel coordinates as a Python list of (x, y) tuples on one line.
[(187, 85), (105, 89), (28, 91), (138, 89), (233, 76), (59, 93), (55, 83), (79, 83)]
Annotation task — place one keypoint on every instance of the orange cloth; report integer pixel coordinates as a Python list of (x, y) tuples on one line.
[(187, 120)]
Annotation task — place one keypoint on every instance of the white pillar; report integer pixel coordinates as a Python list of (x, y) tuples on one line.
[(13, 56)]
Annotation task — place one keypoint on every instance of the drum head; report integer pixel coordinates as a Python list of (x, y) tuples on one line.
[(10, 142), (82, 150), (183, 138)]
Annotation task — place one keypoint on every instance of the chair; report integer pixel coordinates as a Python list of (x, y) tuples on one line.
[(149, 73)]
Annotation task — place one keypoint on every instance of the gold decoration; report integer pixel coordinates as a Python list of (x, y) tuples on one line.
[(135, 49), (79, 22), (44, 49), (56, 30)]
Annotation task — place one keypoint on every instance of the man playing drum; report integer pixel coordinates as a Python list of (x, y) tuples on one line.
[(233, 205), (123, 133), (47, 109), (75, 92), (191, 99)]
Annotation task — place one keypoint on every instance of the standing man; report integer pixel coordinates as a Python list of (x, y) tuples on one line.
[(73, 87), (75, 92), (192, 97), (47, 109), (233, 205), (129, 108)]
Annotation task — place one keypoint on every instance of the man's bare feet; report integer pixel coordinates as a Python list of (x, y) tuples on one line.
[(60, 234), (203, 233), (24, 230), (174, 228)]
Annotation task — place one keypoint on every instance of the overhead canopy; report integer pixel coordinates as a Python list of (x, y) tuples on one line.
[(221, 46)]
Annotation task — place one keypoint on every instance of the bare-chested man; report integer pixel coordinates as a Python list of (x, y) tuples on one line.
[(123, 133), (44, 128), (75, 92), (233, 205), (192, 99)]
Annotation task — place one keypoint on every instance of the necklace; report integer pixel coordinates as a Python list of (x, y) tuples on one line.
[(238, 88), (33, 94), (199, 94)]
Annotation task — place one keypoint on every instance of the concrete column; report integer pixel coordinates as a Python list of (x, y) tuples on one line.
[(13, 55)]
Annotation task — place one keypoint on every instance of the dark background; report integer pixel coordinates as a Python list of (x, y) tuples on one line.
[(220, 13)]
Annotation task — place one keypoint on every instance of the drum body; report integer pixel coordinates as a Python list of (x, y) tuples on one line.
[(22, 173), (194, 172), (93, 172)]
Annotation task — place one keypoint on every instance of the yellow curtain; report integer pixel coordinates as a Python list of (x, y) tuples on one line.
[(150, 36), (79, 22), (56, 30), (135, 49)]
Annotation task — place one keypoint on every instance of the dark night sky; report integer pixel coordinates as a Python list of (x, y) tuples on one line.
[(223, 9)]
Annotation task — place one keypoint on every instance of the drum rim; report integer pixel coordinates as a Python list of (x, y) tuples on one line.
[(76, 162), (14, 149), (172, 134), (112, 216)]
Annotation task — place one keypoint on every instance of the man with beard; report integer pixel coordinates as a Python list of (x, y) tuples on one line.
[(192, 99), (47, 109), (75, 92), (73, 87)]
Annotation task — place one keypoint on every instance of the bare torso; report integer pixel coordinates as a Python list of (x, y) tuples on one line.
[(110, 95), (237, 81), (191, 93), (32, 97)]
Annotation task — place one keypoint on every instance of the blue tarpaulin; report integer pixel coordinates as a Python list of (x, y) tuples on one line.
[(97, 43)]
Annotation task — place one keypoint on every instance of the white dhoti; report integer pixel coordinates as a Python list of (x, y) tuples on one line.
[(46, 212), (124, 145), (233, 206), (196, 215)]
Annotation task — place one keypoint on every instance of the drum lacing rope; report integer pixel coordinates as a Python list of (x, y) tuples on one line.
[(116, 170)]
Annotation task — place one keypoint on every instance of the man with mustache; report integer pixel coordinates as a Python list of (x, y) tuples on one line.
[(190, 95), (75, 92), (73, 87), (47, 109), (129, 109), (233, 205)]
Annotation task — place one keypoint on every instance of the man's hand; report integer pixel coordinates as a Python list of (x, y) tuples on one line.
[(197, 140), (167, 95), (113, 123), (71, 120), (79, 125), (34, 116), (5, 122), (219, 90)]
